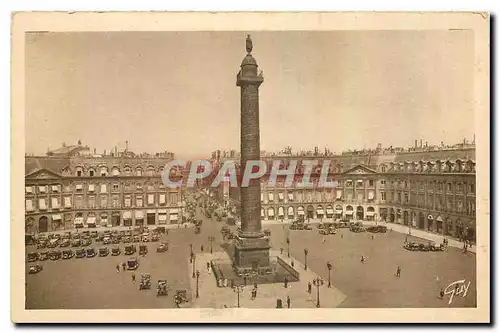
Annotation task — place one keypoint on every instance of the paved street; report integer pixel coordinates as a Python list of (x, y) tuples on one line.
[(94, 283)]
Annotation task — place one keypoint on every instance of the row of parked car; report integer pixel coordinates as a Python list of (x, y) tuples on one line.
[(91, 252), (423, 247)]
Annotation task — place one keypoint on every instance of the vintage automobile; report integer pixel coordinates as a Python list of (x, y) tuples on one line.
[(94, 234), (155, 238), (162, 288), (197, 230), (115, 251), (307, 226), (91, 253), (411, 246), (68, 254), (33, 269), (160, 230), (32, 257), (143, 250), (42, 256), (29, 239), (145, 237), (65, 242), (86, 242), (55, 255), (127, 239), (103, 252), (76, 242), (377, 229), (357, 227), (136, 239), (81, 253), (297, 226), (219, 218), (435, 247), (53, 242), (130, 249), (180, 297), (145, 282), (42, 244), (267, 232), (115, 240), (162, 247), (106, 240), (86, 233), (328, 231)]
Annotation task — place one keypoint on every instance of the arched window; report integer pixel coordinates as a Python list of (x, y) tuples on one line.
[(138, 171), (103, 171), (115, 171)]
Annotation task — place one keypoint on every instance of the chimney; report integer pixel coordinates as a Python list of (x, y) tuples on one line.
[(416, 144), (126, 145), (94, 151), (116, 150), (421, 143), (104, 152)]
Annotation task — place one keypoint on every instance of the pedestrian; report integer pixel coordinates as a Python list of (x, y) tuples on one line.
[(201, 248), (293, 264), (341, 235), (245, 280), (286, 282), (133, 277), (288, 301), (281, 250), (124, 266), (309, 287), (406, 239), (398, 272), (362, 259), (118, 268), (255, 285), (372, 237), (441, 294), (208, 266)]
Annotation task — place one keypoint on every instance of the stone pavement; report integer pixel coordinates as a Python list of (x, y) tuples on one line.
[(212, 296)]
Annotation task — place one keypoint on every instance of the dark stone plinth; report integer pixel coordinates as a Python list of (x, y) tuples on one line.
[(251, 254), (277, 272)]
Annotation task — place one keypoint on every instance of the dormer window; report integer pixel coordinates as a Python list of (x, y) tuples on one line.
[(91, 173), (79, 171), (104, 171)]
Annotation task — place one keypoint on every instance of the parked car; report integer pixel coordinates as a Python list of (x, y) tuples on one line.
[(115, 251), (81, 253), (162, 247), (52, 243), (32, 257), (76, 242), (155, 238), (143, 250), (162, 288), (103, 252), (91, 253), (145, 282), (65, 243), (34, 269), (86, 242), (55, 255), (94, 234), (130, 249), (42, 256), (106, 240), (132, 264), (68, 254)]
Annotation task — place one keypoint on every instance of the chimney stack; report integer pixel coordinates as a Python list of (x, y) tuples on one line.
[(116, 150), (421, 143), (416, 144), (126, 145), (426, 144), (104, 152)]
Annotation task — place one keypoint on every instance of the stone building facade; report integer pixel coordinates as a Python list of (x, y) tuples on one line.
[(76, 191)]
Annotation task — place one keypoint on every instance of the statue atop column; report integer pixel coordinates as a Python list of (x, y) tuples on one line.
[(249, 44)]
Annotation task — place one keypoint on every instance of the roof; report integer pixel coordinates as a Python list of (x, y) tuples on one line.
[(52, 164)]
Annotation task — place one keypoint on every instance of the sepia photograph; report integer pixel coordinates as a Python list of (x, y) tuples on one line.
[(292, 168)]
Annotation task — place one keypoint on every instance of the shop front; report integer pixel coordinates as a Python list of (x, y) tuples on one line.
[(329, 212), (139, 218), (349, 213), (300, 212), (103, 220), (78, 222), (310, 212), (320, 213), (174, 216), (370, 213), (57, 223), (270, 213), (162, 216), (338, 212), (127, 219), (115, 219), (291, 214), (91, 220), (281, 213)]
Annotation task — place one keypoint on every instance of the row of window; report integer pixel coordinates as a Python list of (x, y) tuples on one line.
[(101, 201), (309, 196), (102, 171), (100, 188)]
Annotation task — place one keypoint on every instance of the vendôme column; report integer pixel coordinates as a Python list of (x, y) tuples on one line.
[(251, 246)]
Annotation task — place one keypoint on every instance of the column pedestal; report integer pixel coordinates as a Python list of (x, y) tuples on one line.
[(251, 255)]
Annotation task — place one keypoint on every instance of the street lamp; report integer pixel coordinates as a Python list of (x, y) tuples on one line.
[(306, 251), (197, 284), (238, 289), (194, 265), (211, 239), (329, 266), (318, 282), (288, 245)]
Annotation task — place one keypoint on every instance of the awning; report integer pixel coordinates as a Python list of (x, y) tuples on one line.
[(300, 212), (56, 217), (439, 219), (127, 215), (290, 196), (151, 211), (78, 221), (55, 188), (349, 212), (29, 189), (320, 211), (270, 212), (162, 217), (173, 217), (430, 217), (139, 214), (91, 220), (281, 196), (162, 211), (174, 211), (79, 186), (370, 213), (290, 210), (330, 211)]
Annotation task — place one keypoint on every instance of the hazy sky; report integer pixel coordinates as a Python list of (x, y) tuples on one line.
[(177, 91)]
